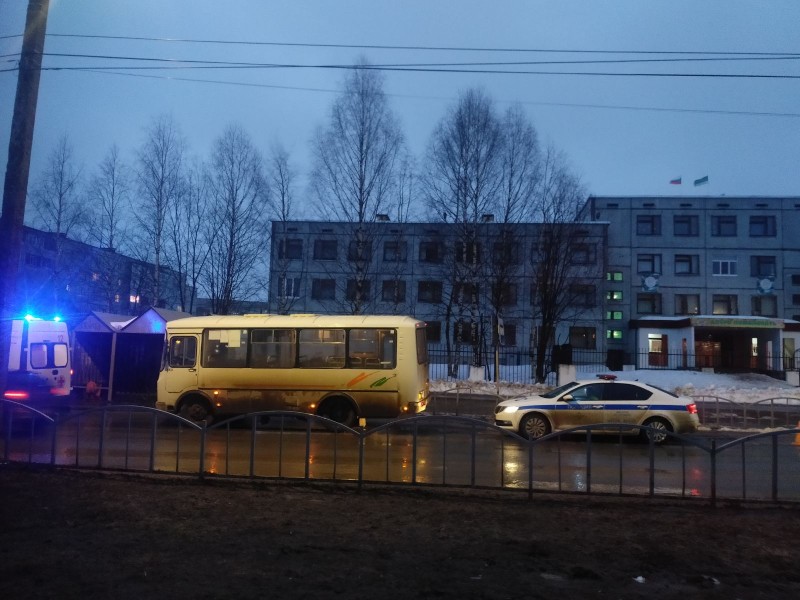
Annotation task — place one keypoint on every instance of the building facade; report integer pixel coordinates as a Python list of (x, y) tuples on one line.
[(679, 282), (702, 281), (58, 275), (474, 285)]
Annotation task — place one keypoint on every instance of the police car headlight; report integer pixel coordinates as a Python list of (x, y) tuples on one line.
[(508, 409)]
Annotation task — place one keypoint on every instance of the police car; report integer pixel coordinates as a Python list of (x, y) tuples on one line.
[(604, 400)]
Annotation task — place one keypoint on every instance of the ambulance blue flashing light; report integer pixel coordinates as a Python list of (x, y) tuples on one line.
[(29, 317)]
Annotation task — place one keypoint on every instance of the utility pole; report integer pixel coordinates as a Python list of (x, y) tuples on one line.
[(18, 169)]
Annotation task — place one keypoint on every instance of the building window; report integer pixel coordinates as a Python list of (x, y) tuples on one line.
[(395, 251), (360, 251), (614, 295), (509, 335), (466, 293), (724, 304), (288, 287), (583, 295), (325, 250), (795, 279), (583, 338), (762, 226), (506, 252), (323, 289), (613, 315), (468, 253), (429, 292), (796, 300), (504, 294), (430, 252), (582, 254), (466, 332), (433, 331), (648, 304), (762, 266), (357, 290), (614, 335), (687, 264), (648, 264), (765, 306), (648, 225), (687, 304), (686, 225), (723, 267), (290, 249), (394, 290), (723, 226), (614, 276)]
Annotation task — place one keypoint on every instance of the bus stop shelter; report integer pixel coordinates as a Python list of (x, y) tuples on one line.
[(119, 353)]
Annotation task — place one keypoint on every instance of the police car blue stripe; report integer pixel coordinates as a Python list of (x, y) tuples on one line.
[(614, 406)]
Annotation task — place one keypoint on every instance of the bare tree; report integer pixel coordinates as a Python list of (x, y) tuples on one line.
[(563, 254), (354, 175), (56, 199), (519, 159), (60, 208), (189, 240), (161, 184), (281, 182), (109, 196), (355, 156), (462, 182), (237, 218)]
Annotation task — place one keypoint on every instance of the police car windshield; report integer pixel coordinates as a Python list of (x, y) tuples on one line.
[(560, 390)]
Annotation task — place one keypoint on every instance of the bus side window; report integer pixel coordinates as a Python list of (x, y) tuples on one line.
[(388, 345), (182, 351)]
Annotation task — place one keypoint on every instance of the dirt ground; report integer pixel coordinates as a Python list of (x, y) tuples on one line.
[(66, 534)]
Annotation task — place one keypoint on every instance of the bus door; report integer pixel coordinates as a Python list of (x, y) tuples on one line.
[(182, 363)]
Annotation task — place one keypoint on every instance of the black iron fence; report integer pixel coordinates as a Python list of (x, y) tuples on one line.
[(519, 365), (436, 450)]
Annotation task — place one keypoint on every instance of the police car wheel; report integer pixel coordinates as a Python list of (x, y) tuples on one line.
[(534, 426)]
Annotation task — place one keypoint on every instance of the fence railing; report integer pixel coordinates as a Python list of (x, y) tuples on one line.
[(519, 364), (435, 450)]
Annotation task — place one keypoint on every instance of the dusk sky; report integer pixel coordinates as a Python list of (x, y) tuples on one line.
[(626, 132)]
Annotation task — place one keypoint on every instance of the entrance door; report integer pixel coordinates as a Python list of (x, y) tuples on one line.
[(182, 363)]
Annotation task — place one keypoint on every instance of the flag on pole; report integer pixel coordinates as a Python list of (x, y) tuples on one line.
[(701, 181), (675, 181)]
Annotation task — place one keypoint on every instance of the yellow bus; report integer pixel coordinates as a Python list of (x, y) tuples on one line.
[(340, 367)]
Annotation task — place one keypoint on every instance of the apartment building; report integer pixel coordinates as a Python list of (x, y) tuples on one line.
[(680, 282), (702, 281), (61, 275), (467, 282)]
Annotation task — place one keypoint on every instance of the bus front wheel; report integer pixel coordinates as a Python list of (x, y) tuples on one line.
[(338, 409)]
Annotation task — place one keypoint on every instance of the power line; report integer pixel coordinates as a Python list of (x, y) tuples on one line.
[(416, 68), (534, 103), (411, 48), (432, 65)]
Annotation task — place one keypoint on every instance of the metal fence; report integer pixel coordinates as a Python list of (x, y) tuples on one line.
[(518, 365), (432, 450)]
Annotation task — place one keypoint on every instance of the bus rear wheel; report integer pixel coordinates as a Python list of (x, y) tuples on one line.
[(340, 410), (196, 410)]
